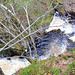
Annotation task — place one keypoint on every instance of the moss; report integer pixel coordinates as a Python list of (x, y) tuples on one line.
[(32, 61), (18, 47)]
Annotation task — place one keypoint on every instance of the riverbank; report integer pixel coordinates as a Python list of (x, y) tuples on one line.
[(64, 64)]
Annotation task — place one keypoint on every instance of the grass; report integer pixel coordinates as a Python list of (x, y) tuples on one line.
[(72, 67), (33, 69), (55, 71), (45, 67), (57, 61), (41, 69), (66, 73), (72, 51), (71, 70), (61, 58), (65, 57)]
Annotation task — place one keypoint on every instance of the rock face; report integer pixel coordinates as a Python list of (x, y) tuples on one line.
[(70, 6)]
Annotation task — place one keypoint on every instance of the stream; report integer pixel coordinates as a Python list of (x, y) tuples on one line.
[(58, 38), (52, 43)]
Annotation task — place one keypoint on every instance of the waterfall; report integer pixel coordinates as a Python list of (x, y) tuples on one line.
[(56, 41)]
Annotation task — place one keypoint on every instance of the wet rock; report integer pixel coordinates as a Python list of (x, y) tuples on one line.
[(10, 52), (1, 72)]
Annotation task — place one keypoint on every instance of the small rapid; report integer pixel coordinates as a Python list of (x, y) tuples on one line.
[(53, 43), (59, 37)]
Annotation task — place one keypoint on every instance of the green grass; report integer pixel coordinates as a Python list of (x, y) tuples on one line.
[(41, 67), (72, 51), (71, 69), (57, 61), (37, 69), (65, 57), (55, 71), (66, 73), (72, 66), (51, 62), (32, 70), (61, 58)]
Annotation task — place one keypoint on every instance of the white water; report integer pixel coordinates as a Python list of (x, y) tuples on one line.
[(9, 67), (58, 45), (61, 23), (72, 38)]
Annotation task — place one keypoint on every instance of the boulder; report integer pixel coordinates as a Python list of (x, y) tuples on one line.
[(70, 6)]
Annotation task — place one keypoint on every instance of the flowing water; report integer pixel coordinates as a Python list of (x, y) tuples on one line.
[(52, 43), (59, 37)]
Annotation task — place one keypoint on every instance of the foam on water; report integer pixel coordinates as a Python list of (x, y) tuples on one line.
[(9, 67), (55, 41), (59, 45), (61, 23), (72, 38), (45, 56)]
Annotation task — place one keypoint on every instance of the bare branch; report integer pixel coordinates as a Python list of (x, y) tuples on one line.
[(25, 29)]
